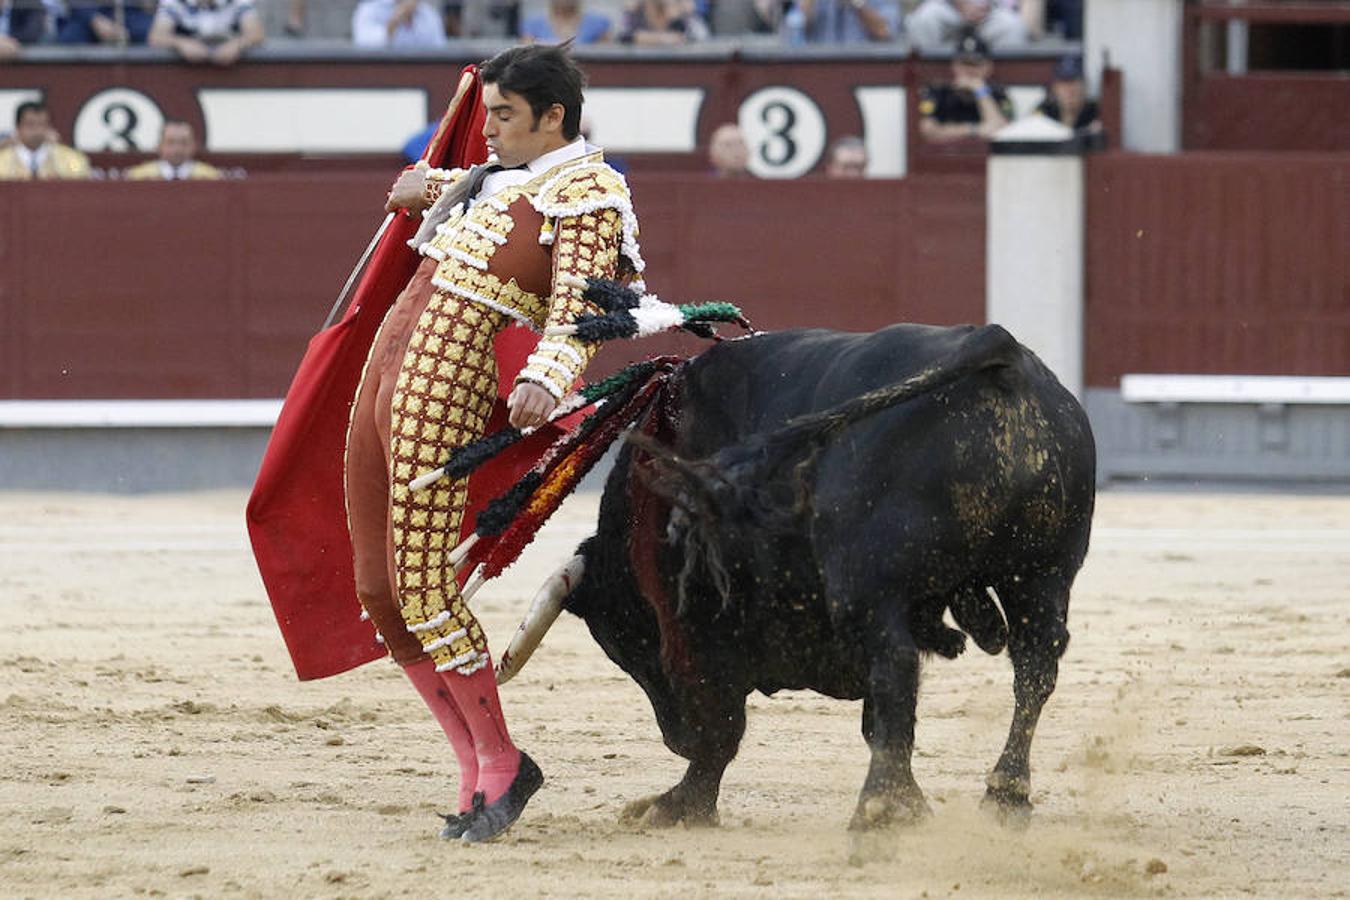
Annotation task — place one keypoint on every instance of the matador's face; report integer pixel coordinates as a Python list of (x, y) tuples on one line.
[(513, 132)]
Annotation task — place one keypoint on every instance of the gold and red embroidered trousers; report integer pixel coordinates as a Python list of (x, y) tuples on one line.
[(500, 261)]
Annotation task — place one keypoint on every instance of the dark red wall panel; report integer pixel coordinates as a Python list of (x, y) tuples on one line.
[(1268, 111), (1222, 264), (122, 289)]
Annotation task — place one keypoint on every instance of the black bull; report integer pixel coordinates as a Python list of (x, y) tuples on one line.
[(803, 514)]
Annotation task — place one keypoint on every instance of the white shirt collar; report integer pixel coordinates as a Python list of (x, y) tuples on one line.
[(33, 158), (170, 172), (574, 150), (496, 182)]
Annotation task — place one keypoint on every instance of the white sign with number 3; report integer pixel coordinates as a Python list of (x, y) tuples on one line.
[(785, 131)]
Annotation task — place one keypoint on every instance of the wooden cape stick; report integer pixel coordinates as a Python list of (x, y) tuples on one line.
[(465, 82)]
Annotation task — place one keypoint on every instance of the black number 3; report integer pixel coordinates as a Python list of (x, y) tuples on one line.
[(781, 130), (121, 120)]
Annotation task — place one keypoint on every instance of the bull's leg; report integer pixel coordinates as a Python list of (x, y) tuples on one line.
[(1037, 609), (890, 794), (707, 731)]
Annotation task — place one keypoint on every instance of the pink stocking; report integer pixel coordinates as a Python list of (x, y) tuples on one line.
[(428, 682), (498, 758)]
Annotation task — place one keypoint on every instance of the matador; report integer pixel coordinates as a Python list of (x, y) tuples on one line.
[(498, 241)]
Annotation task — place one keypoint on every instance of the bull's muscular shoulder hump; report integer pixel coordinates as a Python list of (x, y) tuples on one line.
[(816, 353), (803, 369)]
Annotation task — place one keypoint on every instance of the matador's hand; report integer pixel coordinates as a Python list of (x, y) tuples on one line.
[(530, 405), (409, 191)]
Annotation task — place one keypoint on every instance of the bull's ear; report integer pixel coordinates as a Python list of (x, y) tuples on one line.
[(689, 484)]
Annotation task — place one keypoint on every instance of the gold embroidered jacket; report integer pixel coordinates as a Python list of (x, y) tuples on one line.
[(509, 251), (61, 162), (153, 171)]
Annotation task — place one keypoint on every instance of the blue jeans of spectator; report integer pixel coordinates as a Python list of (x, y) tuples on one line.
[(28, 26), (77, 28)]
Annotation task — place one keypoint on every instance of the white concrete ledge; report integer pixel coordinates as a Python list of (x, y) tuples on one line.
[(1234, 389), (139, 413)]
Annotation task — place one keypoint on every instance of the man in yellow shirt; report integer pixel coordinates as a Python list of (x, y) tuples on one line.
[(177, 146), (35, 154)]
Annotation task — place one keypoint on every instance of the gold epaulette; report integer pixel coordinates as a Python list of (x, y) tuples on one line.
[(581, 188), (589, 186)]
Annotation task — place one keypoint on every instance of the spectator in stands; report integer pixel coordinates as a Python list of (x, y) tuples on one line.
[(36, 152), (296, 13), (753, 17), (1032, 13), (177, 147), (482, 18), (846, 158), (1066, 98), (566, 20), (397, 23), (22, 22), (969, 106), (937, 24), (662, 23), (840, 21), (97, 22), (1065, 18), (728, 152), (215, 31)]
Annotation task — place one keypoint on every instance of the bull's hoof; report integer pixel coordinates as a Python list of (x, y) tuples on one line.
[(665, 811), (876, 813), (870, 847), (1007, 800), (1011, 813)]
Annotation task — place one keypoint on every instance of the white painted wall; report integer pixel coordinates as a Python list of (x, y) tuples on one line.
[(1143, 39), (1034, 285)]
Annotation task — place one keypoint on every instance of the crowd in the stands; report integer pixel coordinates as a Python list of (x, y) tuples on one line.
[(220, 31)]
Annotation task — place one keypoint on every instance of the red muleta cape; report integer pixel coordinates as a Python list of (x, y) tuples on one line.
[(297, 519)]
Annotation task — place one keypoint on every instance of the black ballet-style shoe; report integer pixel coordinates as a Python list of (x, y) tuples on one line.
[(458, 823), (491, 820)]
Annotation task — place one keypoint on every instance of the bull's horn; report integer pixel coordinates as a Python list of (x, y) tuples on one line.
[(544, 611)]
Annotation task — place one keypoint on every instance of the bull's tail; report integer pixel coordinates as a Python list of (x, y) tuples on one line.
[(743, 484)]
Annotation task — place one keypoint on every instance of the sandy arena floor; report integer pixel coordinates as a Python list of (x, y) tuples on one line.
[(156, 742)]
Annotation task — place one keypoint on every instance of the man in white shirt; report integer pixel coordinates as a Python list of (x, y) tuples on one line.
[(936, 24), (216, 31), (397, 24)]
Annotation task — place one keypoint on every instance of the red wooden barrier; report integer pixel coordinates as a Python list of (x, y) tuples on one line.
[(1261, 110), (1198, 263), (1217, 264), (130, 290)]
